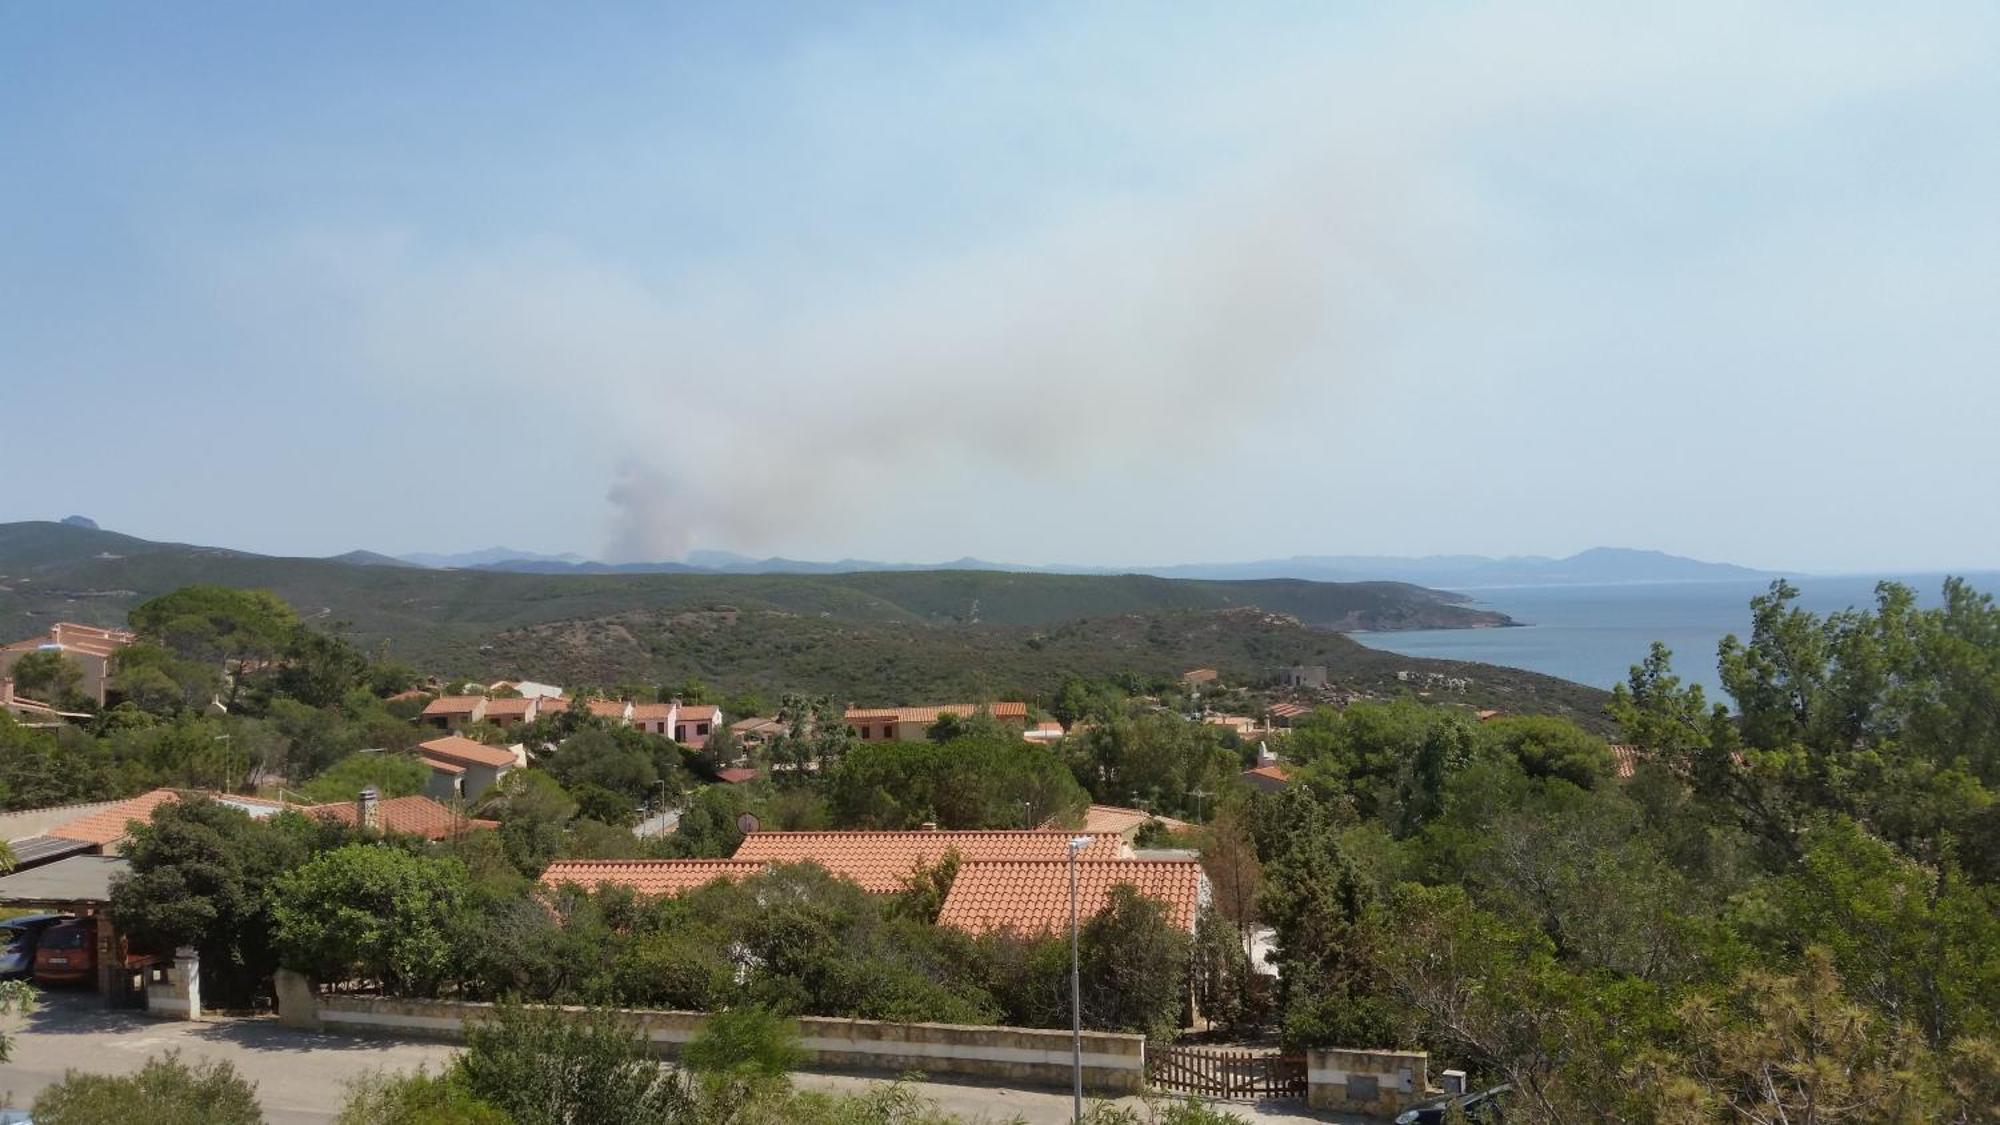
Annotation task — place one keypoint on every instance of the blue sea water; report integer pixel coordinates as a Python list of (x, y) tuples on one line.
[(1594, 634)]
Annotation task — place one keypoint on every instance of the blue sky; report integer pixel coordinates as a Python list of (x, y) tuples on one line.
[(1083, 283)]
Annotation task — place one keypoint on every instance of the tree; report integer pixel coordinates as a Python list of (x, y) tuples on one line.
[(320, 669), (49, 677), (534, 812), (370, 912), (218, 625), (165, 1091), (390, 775), (1793, 1049), (198, 874), (1134, 965), (1322, 913)]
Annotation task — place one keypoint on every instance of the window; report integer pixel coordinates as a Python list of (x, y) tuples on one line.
[(700, 729)]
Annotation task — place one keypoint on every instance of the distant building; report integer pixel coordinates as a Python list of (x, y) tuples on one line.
[(1267, 779), (694, 722), (509, 712), (913, 724), (1243, 725), (653, 718), (756, 731), (1304, 676), (1285, 715), (462, 769), (91, 649), (1199, 677), (453, 712)]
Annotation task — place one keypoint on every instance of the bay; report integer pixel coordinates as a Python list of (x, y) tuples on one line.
[(1594, 634)]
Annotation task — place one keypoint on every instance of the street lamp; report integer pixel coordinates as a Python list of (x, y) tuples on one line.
[(1076, 845)]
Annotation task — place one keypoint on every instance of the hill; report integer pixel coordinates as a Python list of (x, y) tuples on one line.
[(1597, 566), (878, 637)]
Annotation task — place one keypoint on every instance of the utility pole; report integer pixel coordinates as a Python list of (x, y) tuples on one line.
[(1076, 845)]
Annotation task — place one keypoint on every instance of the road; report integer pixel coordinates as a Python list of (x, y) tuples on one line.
[(302, 1076)]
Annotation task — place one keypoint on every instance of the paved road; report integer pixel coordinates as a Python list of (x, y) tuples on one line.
[(302, 1077)]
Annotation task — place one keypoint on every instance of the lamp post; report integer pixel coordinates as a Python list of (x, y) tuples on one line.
[(1076, 845)]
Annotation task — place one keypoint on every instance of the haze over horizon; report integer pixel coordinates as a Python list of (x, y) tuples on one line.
[(1034, 285)]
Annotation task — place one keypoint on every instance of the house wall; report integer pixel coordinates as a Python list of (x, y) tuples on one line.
[(1113, 1063), (443, 786), (478, 779)]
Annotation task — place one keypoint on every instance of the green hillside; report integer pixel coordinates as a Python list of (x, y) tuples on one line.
[(50, 570), (885, 637)]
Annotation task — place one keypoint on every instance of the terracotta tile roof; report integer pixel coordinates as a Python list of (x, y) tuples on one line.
[(736, 775), (1032, 896), (414, 816), (1199, 676), (1117, 820), (933, 714), (647, 877), (1290, 710), (1237, 722), (508, 708), (453, 704), (413, 693), (880, 861), (464, 751), (652, 712), (554, 704), (608, 708), (757, 725), (71, 637), (1274, 772), (108, 824), (442, 766), (700, 713)]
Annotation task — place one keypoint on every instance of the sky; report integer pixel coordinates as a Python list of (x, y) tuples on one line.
[(1086, 283)]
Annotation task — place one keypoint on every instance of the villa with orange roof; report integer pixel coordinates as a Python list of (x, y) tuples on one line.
[(462, 769), (1031, 896), (91, 649), (881, 861), (453, 712), (913, 724)]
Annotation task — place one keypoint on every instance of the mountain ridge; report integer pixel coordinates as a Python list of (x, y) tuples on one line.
[(1596, 565)]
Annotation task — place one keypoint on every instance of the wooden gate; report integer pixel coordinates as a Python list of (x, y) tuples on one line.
[(1207, 1073)]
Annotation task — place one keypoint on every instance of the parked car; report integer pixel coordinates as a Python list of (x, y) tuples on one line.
[(1483, 1106), (18, 938), (67, 954)]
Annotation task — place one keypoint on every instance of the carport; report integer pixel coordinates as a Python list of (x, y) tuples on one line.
[(81, 885)]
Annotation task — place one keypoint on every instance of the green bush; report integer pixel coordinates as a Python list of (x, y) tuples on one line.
[(549, 1067), (165, 1091), (415, 1099)]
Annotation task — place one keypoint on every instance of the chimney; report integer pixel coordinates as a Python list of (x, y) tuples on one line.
[(1264, 755), (366, 815), (929, 826), (6, 690)]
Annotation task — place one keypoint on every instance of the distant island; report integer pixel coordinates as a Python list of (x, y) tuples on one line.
[(1597, 566)]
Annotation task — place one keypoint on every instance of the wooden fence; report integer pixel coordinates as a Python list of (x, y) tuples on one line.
[(1207, 1073)]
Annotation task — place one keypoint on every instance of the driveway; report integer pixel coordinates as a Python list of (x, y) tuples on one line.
[(302, 1076)]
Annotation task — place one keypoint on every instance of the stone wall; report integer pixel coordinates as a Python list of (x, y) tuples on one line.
[(1112, 1063), (1377, 1083)]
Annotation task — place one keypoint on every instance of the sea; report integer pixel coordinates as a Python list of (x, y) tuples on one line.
[(1594, 634)]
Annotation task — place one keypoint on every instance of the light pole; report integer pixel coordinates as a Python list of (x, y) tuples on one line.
[(1076, 845)]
